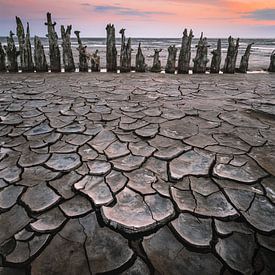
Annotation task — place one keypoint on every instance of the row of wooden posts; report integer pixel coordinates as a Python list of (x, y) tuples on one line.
[(39, 64)]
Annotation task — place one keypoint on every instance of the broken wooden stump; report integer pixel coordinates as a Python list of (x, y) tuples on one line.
[(125, 54), (39, 56), (171, 60), (111, 52), (201, 60), (25, 49), (11, 53), (216, 58), (156, 68), (95, 62), (55, 62), (83, 59), (231, 57), (245, 59), (140, 61), (272, 62), (185, 53), (3, 67), (68, 59)]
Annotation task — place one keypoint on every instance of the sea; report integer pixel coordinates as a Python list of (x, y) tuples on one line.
[(259, 59)]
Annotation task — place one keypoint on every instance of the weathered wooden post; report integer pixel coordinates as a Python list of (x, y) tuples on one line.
[(140, 61), (39, 56), (201, 60), (111, 52), (185, 53), (231, 57), (216, 58), (125, 54), (25, 48), (272, 62), (12, 54), (68, 59), (245, 59), (3, 67), (83, 60), (55, 62), (95, 62), (156, 68), (171, 60), (21, 40)]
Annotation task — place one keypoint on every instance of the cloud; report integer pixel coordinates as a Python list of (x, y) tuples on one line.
[(260, 15), (124, 11)]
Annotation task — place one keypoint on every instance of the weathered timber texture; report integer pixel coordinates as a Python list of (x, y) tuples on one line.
[(95, 62), (125, 54), (272, 62), (12, 54), (245, 59), (185, 53), (21, 39), (156, 68), (231, 57), (111, 52), (39, 56), (2, 59), (68, 59), (55, 62), (201, 60), (216, 58), (140, 61), (83, 59), (171, 60)]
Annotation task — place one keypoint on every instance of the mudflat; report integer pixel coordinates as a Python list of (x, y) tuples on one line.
[(137, 173)]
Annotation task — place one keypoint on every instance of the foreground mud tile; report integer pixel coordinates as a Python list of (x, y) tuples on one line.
[(269, 186), (116, 150), (168, 256), (139, 267), (267, 242), (194, 162), (193, 230), (48, 221), (260, 153), (40, 197), (102, 140), (63, 162), (40, 129), (95, 188), (116, 181), (30, 158), (106, 249), (13, 221), (11, 174), (237, 251), (9, 196), (241, 168), (128, 163), (99, 167), (77, 206), (11, 270)]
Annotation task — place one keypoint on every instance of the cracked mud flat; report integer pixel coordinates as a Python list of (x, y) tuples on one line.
[(137, 174)]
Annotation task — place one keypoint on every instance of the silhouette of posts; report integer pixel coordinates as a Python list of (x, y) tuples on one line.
[(25, 49), (171, 60), (39, 56), (156, 68), (231, 57), (95, 62), (83, 59), (272, 62), (201, 60), (111, 52), (2, 59), (68, 59), (245, 59), (185, 53), (140, 61), (125, 54), (216, 58), (11, 53), (55, 62)]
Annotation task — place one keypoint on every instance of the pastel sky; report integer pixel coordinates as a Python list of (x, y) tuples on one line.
[(146, 18)]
